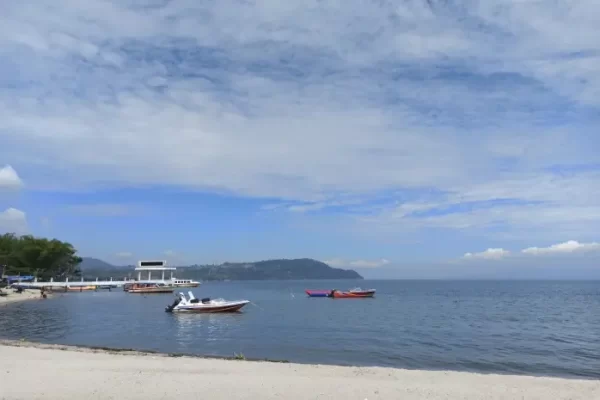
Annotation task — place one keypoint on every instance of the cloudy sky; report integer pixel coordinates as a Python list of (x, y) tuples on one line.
[(402, 138)]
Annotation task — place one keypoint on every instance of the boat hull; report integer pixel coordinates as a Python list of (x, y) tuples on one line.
[(80, 288), (210, 308), (107, 287), (336, 294), (354, 295), (151, 290)]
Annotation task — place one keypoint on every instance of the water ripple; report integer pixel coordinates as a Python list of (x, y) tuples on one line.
[(539, 328)]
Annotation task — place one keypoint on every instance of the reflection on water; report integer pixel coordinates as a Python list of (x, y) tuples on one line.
[(517, 327), (209, 327)]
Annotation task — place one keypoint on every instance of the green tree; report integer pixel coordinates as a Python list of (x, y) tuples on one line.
[(7, 248), (41, 257)]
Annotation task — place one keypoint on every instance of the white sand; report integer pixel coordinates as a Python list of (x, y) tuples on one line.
[(56, 372), (27, 294)]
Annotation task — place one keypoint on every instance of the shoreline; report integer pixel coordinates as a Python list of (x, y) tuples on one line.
[(133, 352), (26, 295), (96, 373), (124, 351)]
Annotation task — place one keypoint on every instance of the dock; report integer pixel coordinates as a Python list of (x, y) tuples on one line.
[(149, 266)]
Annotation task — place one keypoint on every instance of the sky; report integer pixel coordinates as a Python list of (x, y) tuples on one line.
[(414, 138)]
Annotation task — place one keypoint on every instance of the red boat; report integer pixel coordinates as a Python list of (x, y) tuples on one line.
[(336, 294)]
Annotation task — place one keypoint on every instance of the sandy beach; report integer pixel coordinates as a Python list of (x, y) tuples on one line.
[(33, 371), (12, 297)]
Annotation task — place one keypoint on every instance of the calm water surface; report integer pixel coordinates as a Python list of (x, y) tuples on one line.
[(539, 328)]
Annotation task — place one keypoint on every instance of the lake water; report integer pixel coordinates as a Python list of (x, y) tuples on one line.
[(536, 328)]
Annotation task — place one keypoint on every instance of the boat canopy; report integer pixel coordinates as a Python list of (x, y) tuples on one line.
[(19, 278)]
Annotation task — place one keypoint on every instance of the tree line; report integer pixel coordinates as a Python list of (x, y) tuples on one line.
[(41, 257)]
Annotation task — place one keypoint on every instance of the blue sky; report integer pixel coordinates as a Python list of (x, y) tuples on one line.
[(406, 138)]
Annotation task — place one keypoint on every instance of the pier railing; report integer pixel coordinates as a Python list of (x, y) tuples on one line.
[(82, 282)]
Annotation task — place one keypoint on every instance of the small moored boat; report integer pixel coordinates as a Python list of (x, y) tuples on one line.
[(318, 293), (356, 293), (106, 287), (150, 288), (337, 294), (184, 282), (86, 288), (191, 304)]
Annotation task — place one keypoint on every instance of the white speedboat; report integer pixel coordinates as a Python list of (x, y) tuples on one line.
[(191, 304)]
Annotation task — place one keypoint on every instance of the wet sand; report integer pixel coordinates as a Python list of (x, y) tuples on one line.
[(12, 297), (35, 371)]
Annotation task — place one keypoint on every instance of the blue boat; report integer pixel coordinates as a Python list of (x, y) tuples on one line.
[(318, 293)]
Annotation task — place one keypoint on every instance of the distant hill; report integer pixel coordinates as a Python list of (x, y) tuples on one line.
[(94, 263), (283, 269), (304, 268), (92, 268)]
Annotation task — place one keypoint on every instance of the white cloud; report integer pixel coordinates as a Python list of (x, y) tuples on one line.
[(316, 206), (349, 102), (545, 206), (9, 178), (13, 221), (570, 246), (489, 254), (124, 254), (300, 208), (338, 262), (227, 126)]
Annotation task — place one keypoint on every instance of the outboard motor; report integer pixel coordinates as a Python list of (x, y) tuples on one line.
[(172, 306)]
